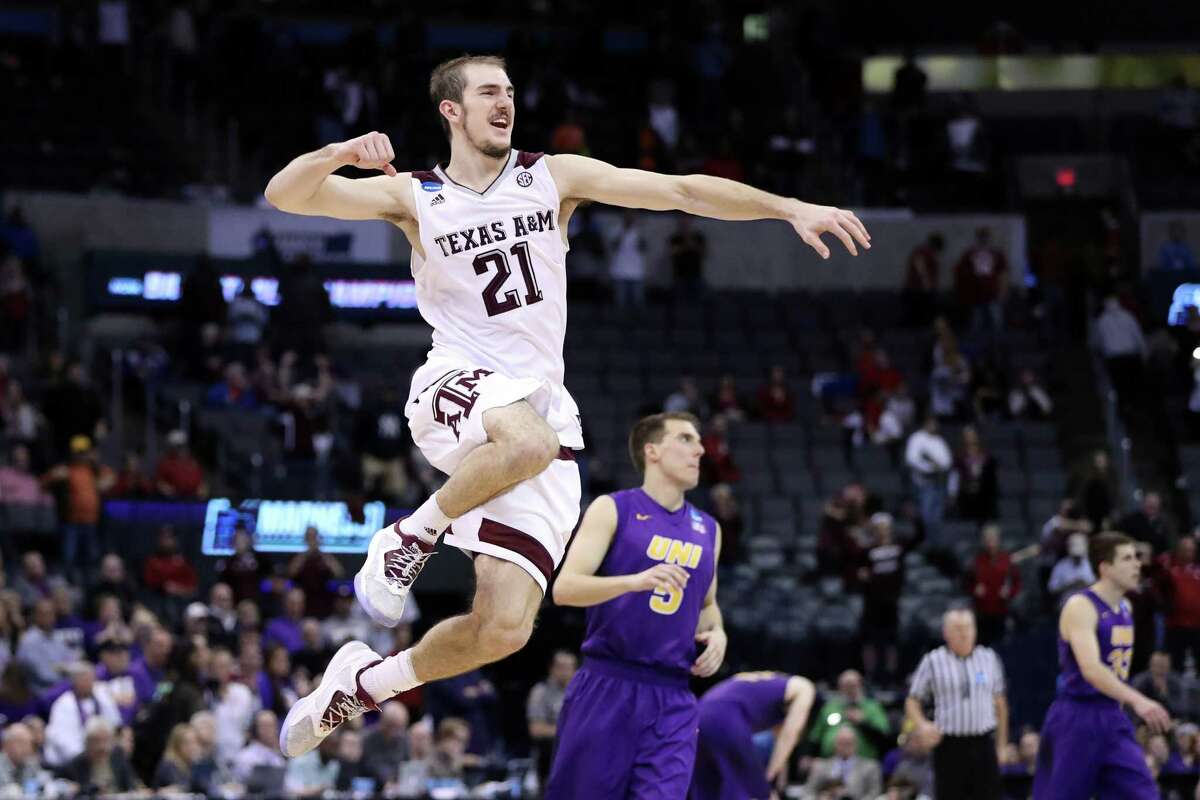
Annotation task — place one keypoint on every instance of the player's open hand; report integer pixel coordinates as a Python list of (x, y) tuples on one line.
[(714, 653), (370, 151), (810, 221), (661, 578), (1153, 714)]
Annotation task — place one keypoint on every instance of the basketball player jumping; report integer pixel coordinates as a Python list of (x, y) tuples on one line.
[(488, 233), (1088, 747)]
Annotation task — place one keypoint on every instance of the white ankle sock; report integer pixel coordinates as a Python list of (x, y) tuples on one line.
[(390, 677), (428, 522)]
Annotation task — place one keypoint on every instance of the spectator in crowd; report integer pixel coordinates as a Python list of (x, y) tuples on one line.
[(233, 390), (686, 398), (315, 654), (247, 319), (1148, 606), (174, 771), (843, 536), (45, 657), (450, 749), (18, 485), (179, 475), (1095, 486), (973, 481), (718, 465), (727, 402), (1164, 686), (285, 630), (34, 583), (1072, 573), (385, 746), (274, 681), (353, 772), (1028, 399), (858, 776), (1180, 578), (263, 750), (1176, 253), (150, 671), (72, 407), (1150, 524), (381, 436), (544, 705), (208, 775), (246, 569), (113, 580), (222, 615), (314, 773), (16, 299), (114, 678), (414, 773), (921, 280), (69, 627), (84, 700), (949, 383), (169, 575), (689, 247), (882, 581), (20, 420), (471, 698), (627, 267), (17, 698), (929, 461), (313, 571), (102, 768), (345, 623), (1123, 347), (21, 772), (232, 704), (776, 403), (107, 626), (981, 283), (725, 509), (303, 311), (132, 483), (850, 706), (994, 582), (987, 390), (912, 762), (81, 482)]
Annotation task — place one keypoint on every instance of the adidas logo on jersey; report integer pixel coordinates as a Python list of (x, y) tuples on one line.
[(437, 200)]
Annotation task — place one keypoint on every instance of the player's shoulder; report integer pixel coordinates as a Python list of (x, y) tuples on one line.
[(1079, 607)]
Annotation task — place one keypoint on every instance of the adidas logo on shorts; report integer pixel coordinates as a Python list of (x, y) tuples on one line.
[(438, 200)]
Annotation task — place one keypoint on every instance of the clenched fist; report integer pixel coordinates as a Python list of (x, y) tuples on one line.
[(370, 151)]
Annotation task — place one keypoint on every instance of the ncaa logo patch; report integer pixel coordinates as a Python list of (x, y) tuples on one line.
[(431, 186), (524, 179)]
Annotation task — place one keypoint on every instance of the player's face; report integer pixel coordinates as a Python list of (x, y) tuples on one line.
[(678, 454), (488, 110), (1126, 570)]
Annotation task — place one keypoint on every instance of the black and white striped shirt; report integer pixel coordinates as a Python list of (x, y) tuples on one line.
[(963, 689)]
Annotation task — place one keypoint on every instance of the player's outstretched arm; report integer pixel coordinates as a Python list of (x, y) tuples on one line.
[(308, 186), (1078, 628), (799, 696), (579, 585), (582, 178)]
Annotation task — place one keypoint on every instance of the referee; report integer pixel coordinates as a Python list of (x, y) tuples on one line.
[(970, 723)]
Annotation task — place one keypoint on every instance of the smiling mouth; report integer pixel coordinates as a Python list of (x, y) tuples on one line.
[(500, 123)]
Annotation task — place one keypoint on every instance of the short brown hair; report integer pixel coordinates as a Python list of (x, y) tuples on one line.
[(650, 430), (453, 728), (447, 81), (1103, 549)]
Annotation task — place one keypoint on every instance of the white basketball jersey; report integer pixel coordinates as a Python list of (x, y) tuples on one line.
[(493, 283)]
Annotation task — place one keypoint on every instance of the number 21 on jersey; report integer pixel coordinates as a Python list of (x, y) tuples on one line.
[(671, 551)]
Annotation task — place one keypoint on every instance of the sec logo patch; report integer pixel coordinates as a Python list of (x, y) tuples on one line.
[(524, 179)]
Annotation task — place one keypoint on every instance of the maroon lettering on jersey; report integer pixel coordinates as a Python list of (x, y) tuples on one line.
[(527, 160), (424, 175), (459, 396)]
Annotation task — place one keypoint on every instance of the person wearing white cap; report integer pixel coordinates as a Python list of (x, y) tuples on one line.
[(882, 578)]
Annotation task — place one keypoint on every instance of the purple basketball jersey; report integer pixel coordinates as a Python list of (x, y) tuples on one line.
[(1114, 632), (757, 696), (656, 629)]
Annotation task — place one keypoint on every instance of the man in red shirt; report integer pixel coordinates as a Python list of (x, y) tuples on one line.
[(981, 283), (1181, 587), (921, 280), (168, 574), (995, 581), (179, 475), (775, 401)]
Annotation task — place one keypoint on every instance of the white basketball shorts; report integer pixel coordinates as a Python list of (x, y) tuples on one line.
[(529, 524)]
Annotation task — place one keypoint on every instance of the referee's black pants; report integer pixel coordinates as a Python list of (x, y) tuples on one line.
[(965, 768)]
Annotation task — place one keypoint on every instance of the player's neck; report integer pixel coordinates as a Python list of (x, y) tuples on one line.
[(1109, 592), (663, 492), (474, 169)]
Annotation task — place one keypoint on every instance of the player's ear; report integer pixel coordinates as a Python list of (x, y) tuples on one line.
[(450, 110)]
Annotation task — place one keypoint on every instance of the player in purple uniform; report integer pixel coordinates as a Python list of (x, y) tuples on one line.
[(644, 564), (727, 765), (1088, 747)]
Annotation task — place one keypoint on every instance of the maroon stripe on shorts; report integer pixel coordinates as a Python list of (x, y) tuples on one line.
[(566, 454), (501, 535)]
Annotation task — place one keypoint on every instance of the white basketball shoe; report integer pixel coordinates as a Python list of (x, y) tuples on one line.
[(394, 560), (338, 699)]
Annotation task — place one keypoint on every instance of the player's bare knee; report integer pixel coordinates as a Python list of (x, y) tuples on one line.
[(533, 449), (500, 638)]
